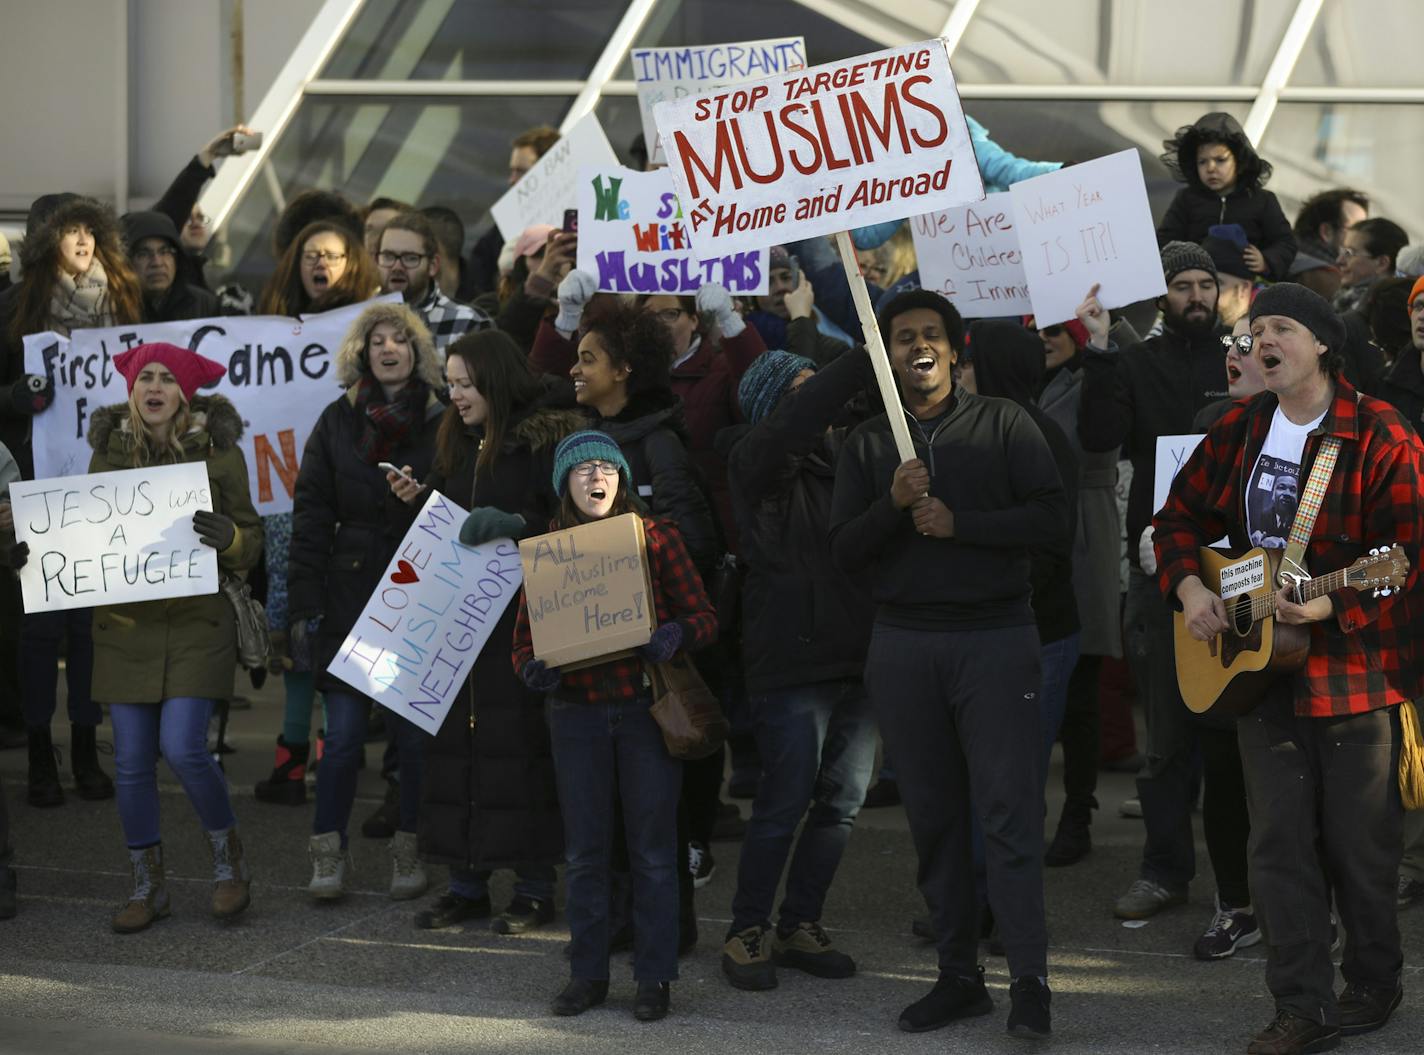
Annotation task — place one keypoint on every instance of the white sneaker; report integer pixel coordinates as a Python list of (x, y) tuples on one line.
[(329, 865), (408, 878)]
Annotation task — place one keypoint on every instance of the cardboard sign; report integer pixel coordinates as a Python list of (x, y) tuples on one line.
[(588, 590), (114, 537), (1086, 224), (438, 603), (874, 138), (971, 255), (550, 187), (281, 374), (632, 239), (673, 73)]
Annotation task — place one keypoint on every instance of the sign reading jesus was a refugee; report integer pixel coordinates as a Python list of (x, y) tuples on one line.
[(874, 138)]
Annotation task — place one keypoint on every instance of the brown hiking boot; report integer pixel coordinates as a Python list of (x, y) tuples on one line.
[(232, 884), (149, 900), (747, 960)]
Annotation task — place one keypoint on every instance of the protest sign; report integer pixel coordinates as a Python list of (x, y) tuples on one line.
[(632, 239), (281, 374), (970, 254), (874, 138), (672, 73), (1083, 225), (1172, 454), (588, 591), (546, 190), (114, 537), (438, 603)]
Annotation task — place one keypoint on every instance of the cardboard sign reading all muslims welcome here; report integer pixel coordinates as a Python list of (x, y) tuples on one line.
[(114, 537)]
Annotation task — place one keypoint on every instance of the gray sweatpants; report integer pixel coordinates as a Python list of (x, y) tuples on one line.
[(959, 714)]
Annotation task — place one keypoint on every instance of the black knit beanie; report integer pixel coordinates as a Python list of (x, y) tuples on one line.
[(1306, 307), (1185, 256)]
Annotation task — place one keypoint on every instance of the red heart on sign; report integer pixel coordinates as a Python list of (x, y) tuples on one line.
[(405, 574)]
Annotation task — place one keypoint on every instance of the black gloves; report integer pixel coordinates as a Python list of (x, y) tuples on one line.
[(214, 529)]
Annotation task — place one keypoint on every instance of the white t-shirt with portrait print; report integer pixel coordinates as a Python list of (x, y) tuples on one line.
[(1273, 492)]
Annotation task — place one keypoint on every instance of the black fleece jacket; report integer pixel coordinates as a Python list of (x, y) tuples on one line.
[(991, 466)]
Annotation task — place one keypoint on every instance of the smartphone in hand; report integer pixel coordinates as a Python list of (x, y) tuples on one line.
[(571, 221), (388, 467), (242, 142)]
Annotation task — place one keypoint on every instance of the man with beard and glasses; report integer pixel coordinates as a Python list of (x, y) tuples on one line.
[(1130, 398)]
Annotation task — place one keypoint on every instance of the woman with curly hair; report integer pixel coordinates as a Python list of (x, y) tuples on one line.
[(325, 267), (342, 539), (76, 276), (1225, 196)]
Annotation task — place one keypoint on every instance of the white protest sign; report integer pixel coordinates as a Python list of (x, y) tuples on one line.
[(547, 189), (1172, 454), (438, 603), (1087, 224), (114, 537), (632, 239), (672, 73), (970, 254), (874, 138), (281, 374)]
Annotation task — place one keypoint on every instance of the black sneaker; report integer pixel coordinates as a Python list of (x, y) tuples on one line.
[(1364, 1009), (808, 948), (951, 998), (1029, 1017), (700, 864), (652, 1001), (523, 915), (580, 995), (451, 908), (1230, 929)]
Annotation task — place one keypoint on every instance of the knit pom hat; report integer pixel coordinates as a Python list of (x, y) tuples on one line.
[(767, 380), (588, 445), (1418, 289), (193, 371), (1306, 307), (1185, 256)]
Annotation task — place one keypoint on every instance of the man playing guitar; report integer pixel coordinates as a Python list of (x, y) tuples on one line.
[(1321, 752)]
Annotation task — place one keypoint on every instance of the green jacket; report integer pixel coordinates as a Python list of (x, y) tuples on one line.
[(151, 651)]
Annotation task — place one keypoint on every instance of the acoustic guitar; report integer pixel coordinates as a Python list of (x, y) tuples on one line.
[(1229, 673)]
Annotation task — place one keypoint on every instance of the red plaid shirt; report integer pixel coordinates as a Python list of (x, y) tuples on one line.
[(678, 594), (1363, 658)]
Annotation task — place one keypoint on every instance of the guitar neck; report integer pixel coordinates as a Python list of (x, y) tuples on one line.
[(1309, 591)]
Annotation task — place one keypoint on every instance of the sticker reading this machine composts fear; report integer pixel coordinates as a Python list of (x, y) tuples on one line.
[(1243, 576)]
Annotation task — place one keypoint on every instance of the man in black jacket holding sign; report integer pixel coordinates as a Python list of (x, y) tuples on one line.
[(953, 670)]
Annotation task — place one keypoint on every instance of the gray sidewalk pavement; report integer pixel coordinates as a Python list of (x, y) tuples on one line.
[(293, 976)]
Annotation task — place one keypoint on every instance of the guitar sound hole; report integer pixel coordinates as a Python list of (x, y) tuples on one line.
[(1240, 614)]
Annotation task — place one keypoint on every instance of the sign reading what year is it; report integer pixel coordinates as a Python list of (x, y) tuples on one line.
[(588, 590), (435, 610), (971, 255), (114, 537), (820, 151), (633, 239)]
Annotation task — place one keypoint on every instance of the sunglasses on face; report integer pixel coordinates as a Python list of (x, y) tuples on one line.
[(1242, 344)]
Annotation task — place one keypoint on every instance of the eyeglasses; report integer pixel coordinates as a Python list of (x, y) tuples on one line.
[(1350, 252), (155, 254), (323, 257), (199, 217), (387, 258), (1242, 344), (667, 315), (586, 469)]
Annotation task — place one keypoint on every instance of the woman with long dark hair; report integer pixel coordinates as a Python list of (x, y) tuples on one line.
[(325, 267), (488, 798)]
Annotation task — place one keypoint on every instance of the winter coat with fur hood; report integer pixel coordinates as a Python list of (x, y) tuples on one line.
[(151, 651), (342, 534), (488, 797)]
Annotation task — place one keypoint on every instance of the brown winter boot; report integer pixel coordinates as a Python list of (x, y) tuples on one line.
[(231, 892), (149, 900)]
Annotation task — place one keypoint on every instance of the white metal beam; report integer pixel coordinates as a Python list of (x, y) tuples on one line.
[(1287, 55), (957, 23), (607, 64)]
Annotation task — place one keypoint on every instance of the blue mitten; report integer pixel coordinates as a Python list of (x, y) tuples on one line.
[(664, 643), (488, 523), (539, 677)]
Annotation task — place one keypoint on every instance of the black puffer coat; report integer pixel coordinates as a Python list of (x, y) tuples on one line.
[(342, 535), (488, 797)]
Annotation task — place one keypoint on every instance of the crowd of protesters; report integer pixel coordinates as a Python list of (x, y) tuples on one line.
[(956, 614)]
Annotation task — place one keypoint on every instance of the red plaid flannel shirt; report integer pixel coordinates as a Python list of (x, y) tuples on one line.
[(1365, 657), (678, 594)]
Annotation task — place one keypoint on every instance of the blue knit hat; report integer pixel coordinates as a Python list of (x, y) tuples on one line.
[(588, 445), (767, 380)]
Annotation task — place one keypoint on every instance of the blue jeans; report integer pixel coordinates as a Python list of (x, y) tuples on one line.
[(817, 745), (532, 881), (345, 743), (1057, 661), (40, 637), (591, 743), (178, 727)]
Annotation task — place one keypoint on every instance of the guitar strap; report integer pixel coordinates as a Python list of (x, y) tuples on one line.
[(1292, 566)]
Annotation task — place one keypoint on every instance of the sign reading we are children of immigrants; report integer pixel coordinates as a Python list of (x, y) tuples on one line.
[(971, 255), (633, 239), (114, 537), (433, 613), (874, 138)]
